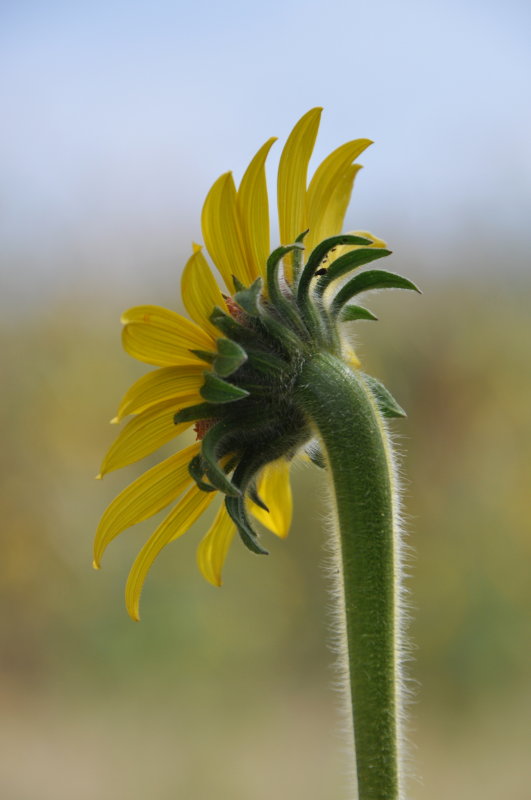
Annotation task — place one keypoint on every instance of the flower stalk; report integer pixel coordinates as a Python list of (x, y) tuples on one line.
[(350, 426)]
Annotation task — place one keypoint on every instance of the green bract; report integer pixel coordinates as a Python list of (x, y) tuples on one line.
[(251, 392)]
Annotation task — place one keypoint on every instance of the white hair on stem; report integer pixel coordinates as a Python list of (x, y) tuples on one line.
[(338, 644)]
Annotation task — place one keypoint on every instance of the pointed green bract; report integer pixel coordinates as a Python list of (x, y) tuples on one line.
[(197, 470), (255, 497), (298, 256), (216, 390), (211, 444), (236, 510), (386, 402), (277, 293), (233, 329), (229, 358), (317, 257), (349, 262), (248, 298), (204, 355), (352, 313), (366, 281), (199, 411)]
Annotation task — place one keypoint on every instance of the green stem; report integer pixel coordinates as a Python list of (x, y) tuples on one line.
[(343, 410)]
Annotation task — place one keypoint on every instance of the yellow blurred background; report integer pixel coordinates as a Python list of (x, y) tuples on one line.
[(120, 117)]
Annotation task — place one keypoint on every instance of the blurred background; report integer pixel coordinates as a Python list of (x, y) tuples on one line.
[(117, 118)]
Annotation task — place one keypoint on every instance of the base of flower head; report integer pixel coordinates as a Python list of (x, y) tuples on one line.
[(251, 415)]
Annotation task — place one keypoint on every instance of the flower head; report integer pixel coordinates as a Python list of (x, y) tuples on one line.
[(230, 371)]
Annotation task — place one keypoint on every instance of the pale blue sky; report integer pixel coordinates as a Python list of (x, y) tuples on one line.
[(117, 117)]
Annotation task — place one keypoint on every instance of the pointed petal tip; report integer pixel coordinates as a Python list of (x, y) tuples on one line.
[(99, 476), (114, 421), (132, 603), (96, 564), (196, 247)]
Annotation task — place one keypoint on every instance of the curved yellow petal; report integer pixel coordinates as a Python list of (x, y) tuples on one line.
[(274, 489), (214, 546), (222, 234), (323, 187), (145, 433), (292, 176), (376, 242), (350, 357), (253, 207), (331, 221), (178, 521), (160, 385), (292, 179), (162, 337), (154, 490), (200, 291)]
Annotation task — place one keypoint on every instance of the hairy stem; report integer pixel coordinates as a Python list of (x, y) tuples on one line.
[(342, 408)]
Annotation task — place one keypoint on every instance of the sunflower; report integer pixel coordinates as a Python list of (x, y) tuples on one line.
[(230, 370)]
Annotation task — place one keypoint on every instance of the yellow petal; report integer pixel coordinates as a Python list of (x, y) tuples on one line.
[(292, 176), (222, 234), (274, 489), (331, 221), (154, 490), (350, 357), (162, 337), (324, 185), (253, 207), (178, 521), (214, 546), (200, 291), (160, 385), (145, 433), (376, 242)]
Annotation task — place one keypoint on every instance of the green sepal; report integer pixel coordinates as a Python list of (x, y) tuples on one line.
[(385, 400), (349, 262), (314, 453), (199, 411), (308, 309), (224, 322), (232, 329), (317, 255), (236, 511), (351, 313), (277, 297), (248, 298), (212, 441), (229, 358), (255, 497), (197, 470), (274, 260), (216, 390), (296, 263), (238, 285), (365, 281), (204, 355)]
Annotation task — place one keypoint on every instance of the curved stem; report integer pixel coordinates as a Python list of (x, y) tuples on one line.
[(343, 410)]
